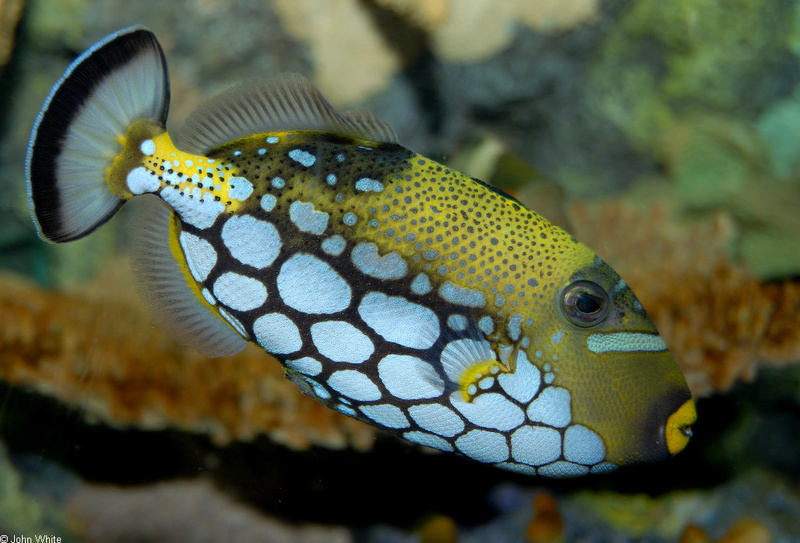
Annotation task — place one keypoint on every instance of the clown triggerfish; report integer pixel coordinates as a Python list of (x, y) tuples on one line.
[(391, 288)]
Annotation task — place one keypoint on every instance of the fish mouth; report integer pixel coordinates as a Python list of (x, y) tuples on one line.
[(678, 429)]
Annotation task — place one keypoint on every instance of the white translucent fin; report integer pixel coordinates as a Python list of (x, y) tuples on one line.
[(280, 104), (163, 286), (121, 79)]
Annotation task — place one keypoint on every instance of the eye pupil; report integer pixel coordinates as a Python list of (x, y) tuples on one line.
[(584, 303), (587, 304)]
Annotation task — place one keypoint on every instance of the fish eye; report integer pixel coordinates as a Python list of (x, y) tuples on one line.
[(584, 303)]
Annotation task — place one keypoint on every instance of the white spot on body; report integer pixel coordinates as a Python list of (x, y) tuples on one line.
[(437, 418), (349, 411), (310, 285), (277, 334), (366, 184), (331, 179), (305, 365), (515, 326), (535, 445), (334, 245), (268, 202), (303, 157), (457, 322), (317, 389), (233, 321), (140, 181), (421, 284), (148, 147), (400, 321), (483, 446), (272, 139), (524, 383), (603, 467), (200, 255), (365, 257), (341, 342), (517, 468), (239, 292), (307, 219), (489, 410), (486, 325), (428, 440), (625, 342), (354, 384), (251, 241), (200, 214), (278, 182), (557, 337), (563, 469), (409, 378), (239, 188), (583, 446), (462, 296), (386, 415), (349, 219), (551, 407), (209, 298)]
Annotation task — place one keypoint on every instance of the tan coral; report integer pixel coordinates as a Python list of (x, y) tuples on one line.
[(425, 14), (352, 61), (475, 30), (718, 319), (97, 349), (190, 510)]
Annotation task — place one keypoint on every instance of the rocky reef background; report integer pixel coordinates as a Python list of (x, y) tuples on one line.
[(665, 135)]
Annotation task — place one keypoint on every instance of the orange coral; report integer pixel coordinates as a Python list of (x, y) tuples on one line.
[(98, 349), (719, 320)]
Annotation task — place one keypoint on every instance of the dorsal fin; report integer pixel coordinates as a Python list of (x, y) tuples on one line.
[(283, 103), (162, 284)]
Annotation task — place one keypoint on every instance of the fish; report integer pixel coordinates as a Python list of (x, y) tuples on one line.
[(390, 287)]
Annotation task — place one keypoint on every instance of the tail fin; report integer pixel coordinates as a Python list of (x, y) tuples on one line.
[(77, 135)]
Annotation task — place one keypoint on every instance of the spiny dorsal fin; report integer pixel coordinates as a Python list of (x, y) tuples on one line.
[(163, 286), (283, 103)]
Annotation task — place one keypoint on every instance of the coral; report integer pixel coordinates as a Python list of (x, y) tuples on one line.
[(182, 511), (351, 58), (476, 30), (96, 348), (718, 318), (459, 31), (426, 14)]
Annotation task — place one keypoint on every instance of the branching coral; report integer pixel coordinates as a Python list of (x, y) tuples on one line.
[(98, 350)]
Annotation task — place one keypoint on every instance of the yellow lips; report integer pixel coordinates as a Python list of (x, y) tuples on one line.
[(679, 427)]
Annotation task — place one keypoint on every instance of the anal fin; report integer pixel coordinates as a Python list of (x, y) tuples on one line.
[(163, 283)]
